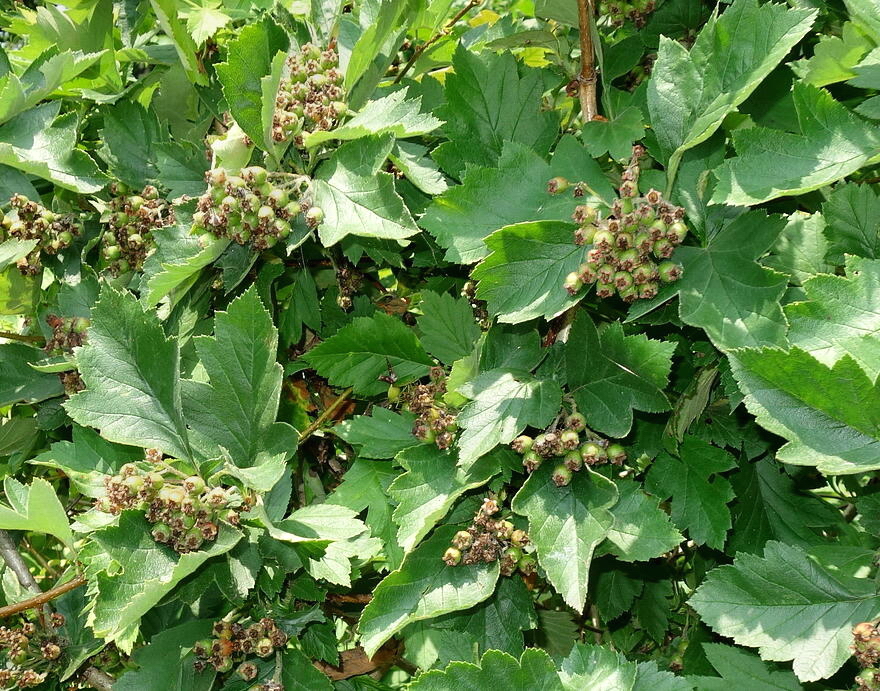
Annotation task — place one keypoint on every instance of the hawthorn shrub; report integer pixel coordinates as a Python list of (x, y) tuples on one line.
[(437, 345)]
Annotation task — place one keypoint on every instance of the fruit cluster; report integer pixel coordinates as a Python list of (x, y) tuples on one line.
[(571, 450), (31, 653), (435, 422), (30, 220), (866, 650), (67, 333), (310, 98), (232, 642), (254, 207), (185, 513), (618, 11), (489, 539), (133, 218), (624, 243)]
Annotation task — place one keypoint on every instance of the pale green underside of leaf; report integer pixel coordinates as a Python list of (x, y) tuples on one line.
[(690, 93), (831, 416), (35, 508), (641, 529), (788, 607), (599, 669), (566, 524), (422, 588), (831, 144)]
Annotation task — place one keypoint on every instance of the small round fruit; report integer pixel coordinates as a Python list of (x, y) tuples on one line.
[(561, 475), (616, 453), (393, 393), (605, 290), (603, 239), (677, 232), (623, 280), (462, 540), (522, 443), (314, 217), (569, 439), (527, 564), (576, 422), (558, 185), (519, 538), (452, 556), (573, 283), (161, 532), (531, 460), (606, 273), (573, 460), (587, 272), (669, 272), (194, 485), (593, 453)]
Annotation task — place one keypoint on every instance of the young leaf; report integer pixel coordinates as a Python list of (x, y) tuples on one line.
[(831, 144), (840, 316), (690, 93), (358, 354), (132, 376), (566, 524), (490, 100), (394, 114), (466, 214), (534, 671), (830, 415), (250, 59), (380, 435), (35, 508), (853, 215), (423, 587), (235, 410), (724, 291), (592, 667), (504, 403), (523, 276), (641, 529), (448, 327), (699, 494), (358, 198), (611, 374), (788, 607), (430, 485), (614, 137)]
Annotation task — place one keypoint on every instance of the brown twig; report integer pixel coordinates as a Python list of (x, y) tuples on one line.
[(417, 53), (360, 598), (354, 662), (323, 417), (97, 679), (587, 77), (12, 336), (42, 598)]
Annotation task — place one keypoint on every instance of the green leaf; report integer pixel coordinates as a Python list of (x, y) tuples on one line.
[(641, 529), (430, 486), (523, 276), (834, 57), (235, 410), (534, 671), (853, 215), (448, 327), (490, 99), (699, 493), (358, 354), (504, 402), (830, 415), (163, 667), (40, 143), (614, 137), (610, 374), (394, 114), (801, 248), (20, 382), (132, 376), (298, 673), (358, 198), (168, 17), (422, 588), (387, 18), (840, 316), (130, 133), (788, 607), (205, 20), (249, 60), (380, 435), (600, 669), (723, 289), (566, 524), (512, 191), (614, 588), (412, 160), (690, 93), (739, 669), (831, 144), (35, 508), (770, 507), (129, 572)]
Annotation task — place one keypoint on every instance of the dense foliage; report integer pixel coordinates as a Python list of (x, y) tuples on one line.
[(340, 349)]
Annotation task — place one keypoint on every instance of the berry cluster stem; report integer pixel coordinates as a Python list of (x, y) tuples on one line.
[(587, 76), (323, 417), (20, 337), (42, 598)]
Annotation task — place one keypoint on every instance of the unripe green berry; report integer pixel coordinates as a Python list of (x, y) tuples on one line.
[(663, 248), (669, 271), (527, 564), (573, 460), (112, 252), (462, 540), (649, 290), (194, 484), (393, 393), (561, 475), (573, 283), (161, 532), (504, 530), (519, 538), (587, 273), (576, 421), (616, 453), (627, 259), (314, 216), (557, 185), (224, 665), (531, 460), (65, 237), (593, 453), (569, 439), (603, 239), (522, 443), (452, 556), (605, 290), (606, 274), (677, 232), (623, 280)]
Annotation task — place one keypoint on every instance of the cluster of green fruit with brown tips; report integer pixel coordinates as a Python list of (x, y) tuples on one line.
[(491, 539), (570, 449), (132, 218), (618, 11), (254, 207), (32, 651), (31, 221), (233, 641), (310, 97), (866, 651), (184, 511), (630, 246)]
